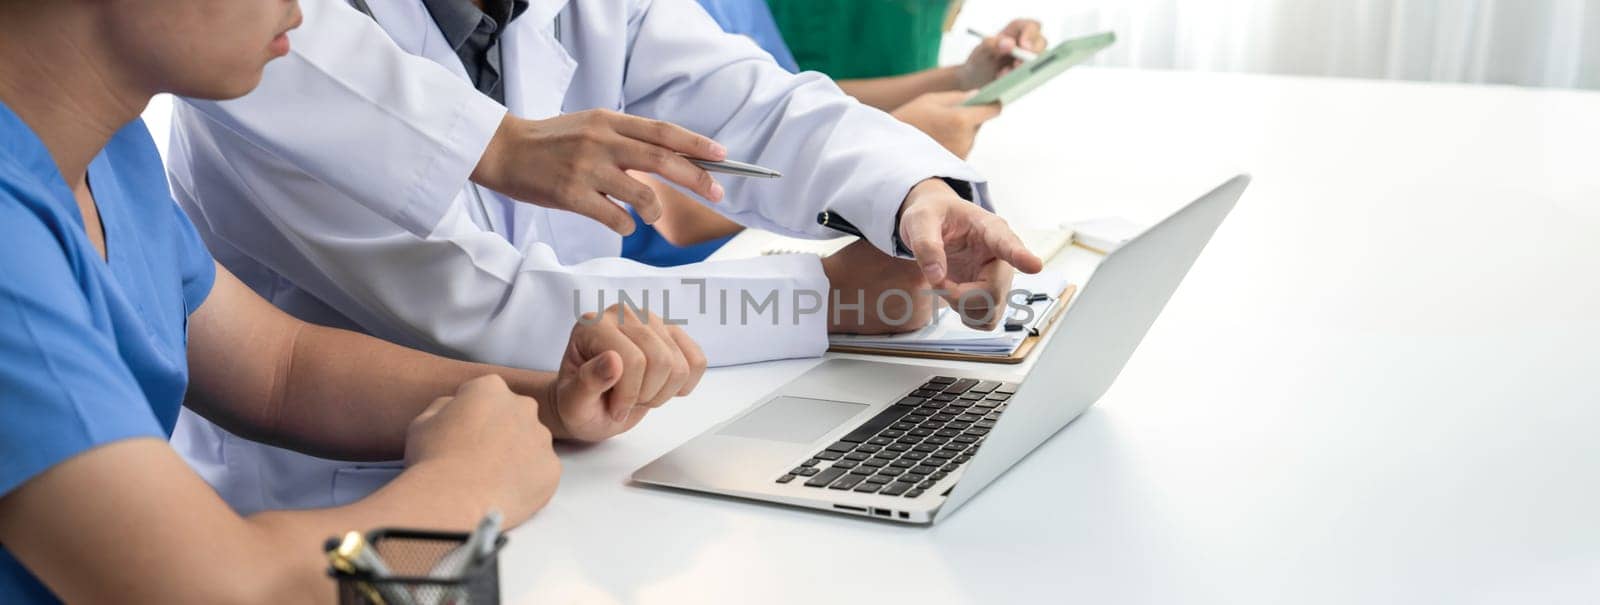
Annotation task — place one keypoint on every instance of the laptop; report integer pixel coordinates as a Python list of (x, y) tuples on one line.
[(911, 444)]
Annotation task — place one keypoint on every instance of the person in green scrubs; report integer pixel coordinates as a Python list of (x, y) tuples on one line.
[(885, 53), (851, 39)]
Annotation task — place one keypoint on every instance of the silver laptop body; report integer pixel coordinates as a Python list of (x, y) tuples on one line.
[(901, 442)]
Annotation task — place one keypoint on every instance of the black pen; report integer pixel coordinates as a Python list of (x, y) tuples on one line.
[(837, 223)]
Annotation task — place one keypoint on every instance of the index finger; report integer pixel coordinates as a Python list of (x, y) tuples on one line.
[(433, 408), (1026, 32), (487, 385), (692, 354), (673, 167), (625, 393), (1008, 247), (671, 136), (657, 360)]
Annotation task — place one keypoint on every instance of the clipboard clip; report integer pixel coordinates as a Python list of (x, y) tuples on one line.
[(1017, 325)]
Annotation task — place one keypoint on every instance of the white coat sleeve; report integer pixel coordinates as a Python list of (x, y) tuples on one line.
[(459, 290), (396, 133), (836, 154)]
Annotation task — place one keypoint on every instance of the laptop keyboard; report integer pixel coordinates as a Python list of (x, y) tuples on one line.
[(911, 445)]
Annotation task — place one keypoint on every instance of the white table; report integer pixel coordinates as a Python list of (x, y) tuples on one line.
[(1380, 383)]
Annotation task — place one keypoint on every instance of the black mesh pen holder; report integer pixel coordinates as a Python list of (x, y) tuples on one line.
[(412, 556)]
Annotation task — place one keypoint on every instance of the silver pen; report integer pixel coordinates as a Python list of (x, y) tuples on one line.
[(1017, 52), (736, 168), (481, 543)]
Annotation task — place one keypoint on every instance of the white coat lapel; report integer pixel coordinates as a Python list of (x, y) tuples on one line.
[(539, 72), (413, 30)]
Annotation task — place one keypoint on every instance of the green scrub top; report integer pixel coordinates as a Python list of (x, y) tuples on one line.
[(850, 39)]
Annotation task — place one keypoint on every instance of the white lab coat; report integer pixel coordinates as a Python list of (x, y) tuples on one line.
[(338, 190)]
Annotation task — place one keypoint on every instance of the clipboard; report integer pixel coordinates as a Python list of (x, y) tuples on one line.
[(1031, 75), (1015, 357)]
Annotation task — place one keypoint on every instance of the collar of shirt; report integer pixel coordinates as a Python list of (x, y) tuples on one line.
[(28, 151), (459, 19)]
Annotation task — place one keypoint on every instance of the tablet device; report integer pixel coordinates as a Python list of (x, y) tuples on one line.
[(1030, 75)]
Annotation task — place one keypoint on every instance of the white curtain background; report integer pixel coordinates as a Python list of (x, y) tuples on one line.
[(1553, 43)]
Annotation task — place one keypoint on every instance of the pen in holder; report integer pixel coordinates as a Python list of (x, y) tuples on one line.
[(415, 567)]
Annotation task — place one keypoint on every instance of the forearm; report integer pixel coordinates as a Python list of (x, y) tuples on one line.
[(350, 396), (684, 221), (129, 522), (890, 93)]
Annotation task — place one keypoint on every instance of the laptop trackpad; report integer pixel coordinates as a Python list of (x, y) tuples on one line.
[(793, 419)]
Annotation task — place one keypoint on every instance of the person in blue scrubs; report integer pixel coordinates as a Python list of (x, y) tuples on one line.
[(752, 19), (113, 314)]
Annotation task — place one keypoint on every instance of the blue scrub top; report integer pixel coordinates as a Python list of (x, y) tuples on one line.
[(750, 18), (91, 351)]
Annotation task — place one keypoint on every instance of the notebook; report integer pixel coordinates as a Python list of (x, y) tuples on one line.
[(1044, 243)]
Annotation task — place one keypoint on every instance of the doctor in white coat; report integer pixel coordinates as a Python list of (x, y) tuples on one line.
[(340, 191)]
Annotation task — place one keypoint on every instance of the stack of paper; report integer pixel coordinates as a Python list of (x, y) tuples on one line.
[(947, 334), (1043, 243)]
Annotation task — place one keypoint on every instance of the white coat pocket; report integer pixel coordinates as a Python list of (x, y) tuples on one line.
[(353, 483)]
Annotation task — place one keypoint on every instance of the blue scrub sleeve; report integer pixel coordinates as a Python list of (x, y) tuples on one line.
[(199, 268), (753, 19), (63, 387), (138, 165)]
